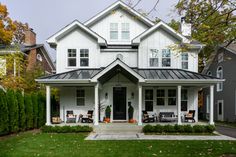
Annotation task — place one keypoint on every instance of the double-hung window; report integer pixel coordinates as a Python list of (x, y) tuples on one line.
[(219, 73), (160, 97), (166, 58), (184, 57), (184, 100), (80, 97), (84, 57), (153, 58), (114, 31), (171, 97), (149, 100), (71, 55), (125, 32)]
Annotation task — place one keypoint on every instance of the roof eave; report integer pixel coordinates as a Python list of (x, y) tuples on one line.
[(184, 81)]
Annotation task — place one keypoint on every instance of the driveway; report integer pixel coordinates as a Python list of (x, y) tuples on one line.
[(228, 131)]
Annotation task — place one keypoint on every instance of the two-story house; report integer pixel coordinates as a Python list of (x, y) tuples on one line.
[(221, 64), (120, 57)]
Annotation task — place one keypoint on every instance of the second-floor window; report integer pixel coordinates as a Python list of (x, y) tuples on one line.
[(166, 58), (71, 55), (84, 57), (184, 57), (125, 33), (219, 74), (114, 31), (153, 59)]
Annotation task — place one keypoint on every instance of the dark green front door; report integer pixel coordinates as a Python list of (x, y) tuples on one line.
[(119, 103)]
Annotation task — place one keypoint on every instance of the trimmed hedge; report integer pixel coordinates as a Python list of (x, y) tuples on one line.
[(21, 107), (29, 112), (66, 129), (162, 129), (4, 116)]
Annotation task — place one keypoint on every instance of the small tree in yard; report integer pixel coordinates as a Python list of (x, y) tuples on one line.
[(21, 106), (28, 111), (13, 111), (35, 109), (4, 119)]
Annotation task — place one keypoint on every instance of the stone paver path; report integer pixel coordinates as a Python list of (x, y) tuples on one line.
[(141, 136)]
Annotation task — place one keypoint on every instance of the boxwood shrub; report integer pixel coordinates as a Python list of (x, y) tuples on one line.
[(66, 129), (162, 129)]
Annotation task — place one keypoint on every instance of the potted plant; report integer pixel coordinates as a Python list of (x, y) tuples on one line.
[(130, 112), (108, 113)]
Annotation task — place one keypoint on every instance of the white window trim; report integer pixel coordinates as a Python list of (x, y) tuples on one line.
[(209, 73), (187, 100), (222, 102), (220, 57), (184, 61), (84, 57), (161, 97), (110, 31), (125, 31), (208, 104), (39, 57), (167, 96), (67, 59), (153, 92), (219, 84), (166, 58), (149, 57)]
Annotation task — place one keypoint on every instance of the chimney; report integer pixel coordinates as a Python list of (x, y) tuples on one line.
[(30, 37), (186, 28)]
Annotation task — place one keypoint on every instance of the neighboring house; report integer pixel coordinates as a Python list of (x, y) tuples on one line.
[(221, 65), (34, 54), (119, 57)]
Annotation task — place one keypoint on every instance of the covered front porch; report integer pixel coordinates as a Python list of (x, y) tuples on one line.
[(157, 92)]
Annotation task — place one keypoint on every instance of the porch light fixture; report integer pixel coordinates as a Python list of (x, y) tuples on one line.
[(106, 95)]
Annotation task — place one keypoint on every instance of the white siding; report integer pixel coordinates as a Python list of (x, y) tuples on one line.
[(119, 16), (160, 39), (77, 39)]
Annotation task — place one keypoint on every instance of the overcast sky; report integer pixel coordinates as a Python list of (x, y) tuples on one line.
[(48, 16)]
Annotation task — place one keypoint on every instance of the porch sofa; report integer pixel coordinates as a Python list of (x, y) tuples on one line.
[(167, 117)]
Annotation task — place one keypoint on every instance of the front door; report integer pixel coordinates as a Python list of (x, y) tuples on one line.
[(119, 103), (220, 110)]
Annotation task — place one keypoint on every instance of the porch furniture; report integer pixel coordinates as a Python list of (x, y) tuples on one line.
[(70, 117), (87, 118), (167, 117), (56, 120), (190, 116), (148, 118)]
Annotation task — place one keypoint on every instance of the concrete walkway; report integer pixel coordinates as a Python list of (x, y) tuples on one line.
[(141, 136)]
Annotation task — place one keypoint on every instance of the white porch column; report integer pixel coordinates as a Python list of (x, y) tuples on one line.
[(139, 105), (179, 104), (211, 105), (96, 104), (48, 105)]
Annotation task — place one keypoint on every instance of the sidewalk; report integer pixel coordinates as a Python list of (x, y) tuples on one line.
[(141, 136)]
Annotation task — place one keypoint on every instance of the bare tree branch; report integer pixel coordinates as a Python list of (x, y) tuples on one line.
[(154, 8)]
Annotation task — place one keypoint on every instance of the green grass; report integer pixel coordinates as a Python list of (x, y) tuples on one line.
[(70, 145)]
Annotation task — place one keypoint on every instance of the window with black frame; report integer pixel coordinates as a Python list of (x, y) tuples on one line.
[(80, 97), (184, 100), (160, 97), (149, 100), (171, 97)]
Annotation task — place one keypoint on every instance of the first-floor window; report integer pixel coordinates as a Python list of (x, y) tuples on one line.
[(160, 97), (166, 58), (80, 97), (153, 59), (71, 55), (184, 100), (208, 104), (84, 57), (171, 97), (149, 100)]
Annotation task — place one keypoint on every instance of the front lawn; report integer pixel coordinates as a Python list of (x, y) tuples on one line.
[(69, 145)]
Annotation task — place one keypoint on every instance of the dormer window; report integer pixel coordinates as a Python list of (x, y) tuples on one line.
[(114, 31), (71, 55), (125, 33), (39, 57), (220, 57), (166, 58), (153, 59)]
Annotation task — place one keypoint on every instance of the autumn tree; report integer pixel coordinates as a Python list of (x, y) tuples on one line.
[(7, 26), (19, 33)]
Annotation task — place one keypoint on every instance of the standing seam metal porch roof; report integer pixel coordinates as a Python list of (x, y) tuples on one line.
[(147, 74)]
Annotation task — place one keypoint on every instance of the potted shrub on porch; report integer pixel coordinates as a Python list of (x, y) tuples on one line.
[(108, 114), (130, 113)]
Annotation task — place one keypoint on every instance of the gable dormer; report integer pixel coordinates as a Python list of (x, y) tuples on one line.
[(119, 24)]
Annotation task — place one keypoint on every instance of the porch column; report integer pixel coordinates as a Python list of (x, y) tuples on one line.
[(139, 105), (179, 105), (211, 105), (48, 105), (96, 104)]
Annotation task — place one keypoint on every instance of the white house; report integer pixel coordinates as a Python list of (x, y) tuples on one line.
[(120, 56)]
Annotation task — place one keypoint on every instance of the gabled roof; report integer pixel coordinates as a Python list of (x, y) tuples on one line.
[(155, 27), (67, 29), (119, 4)]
